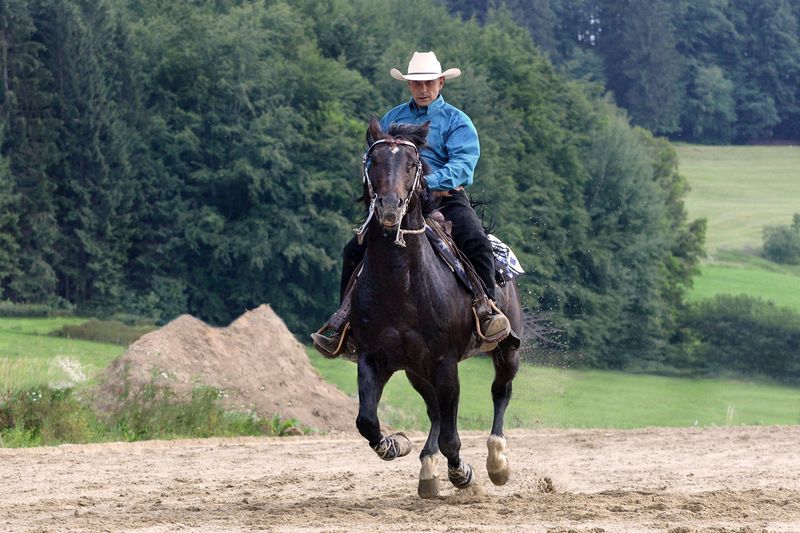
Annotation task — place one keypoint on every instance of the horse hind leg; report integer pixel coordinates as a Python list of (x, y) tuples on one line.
[(506, 364)]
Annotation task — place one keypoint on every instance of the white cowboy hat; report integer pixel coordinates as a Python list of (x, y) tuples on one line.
[(425, 66)]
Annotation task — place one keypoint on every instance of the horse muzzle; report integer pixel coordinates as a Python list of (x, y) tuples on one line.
[(389, 218), (389, 210)]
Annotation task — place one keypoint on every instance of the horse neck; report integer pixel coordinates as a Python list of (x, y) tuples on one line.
[(385, 257)]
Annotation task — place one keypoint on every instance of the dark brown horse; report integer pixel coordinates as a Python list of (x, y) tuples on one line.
[(410, 313)]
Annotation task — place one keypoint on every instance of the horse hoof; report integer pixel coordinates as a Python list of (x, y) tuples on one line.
[(403, 444), (462, 476), (393, 446), (499, 478), (428, 488), (428, 478), (497, 461)]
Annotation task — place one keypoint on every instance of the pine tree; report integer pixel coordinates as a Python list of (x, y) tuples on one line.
[(9, 228), (767, 73), (642, 65), (30, 152), (94, 185)]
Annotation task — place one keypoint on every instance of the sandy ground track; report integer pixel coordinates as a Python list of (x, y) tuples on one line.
[(673, 480)]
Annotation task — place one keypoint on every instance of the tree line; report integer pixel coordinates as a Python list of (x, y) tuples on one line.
[(161, 157), (716, 71)]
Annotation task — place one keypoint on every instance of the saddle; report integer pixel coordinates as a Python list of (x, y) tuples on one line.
[(507, 267)]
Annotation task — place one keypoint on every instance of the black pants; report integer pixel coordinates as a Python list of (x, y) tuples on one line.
[(468, 235)]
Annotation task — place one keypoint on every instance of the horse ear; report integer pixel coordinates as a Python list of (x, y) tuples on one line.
[(373, 131), (425, 128)]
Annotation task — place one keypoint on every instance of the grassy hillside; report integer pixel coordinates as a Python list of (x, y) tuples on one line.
[(549, 397), (29, 356), (740, 189)]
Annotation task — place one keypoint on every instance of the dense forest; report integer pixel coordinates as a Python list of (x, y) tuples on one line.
[(161, 157), (715, 71)]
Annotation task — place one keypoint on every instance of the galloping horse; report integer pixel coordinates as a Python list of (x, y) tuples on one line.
[(410, 313)]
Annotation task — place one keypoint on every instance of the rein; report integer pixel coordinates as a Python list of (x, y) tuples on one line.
[(399, 240)]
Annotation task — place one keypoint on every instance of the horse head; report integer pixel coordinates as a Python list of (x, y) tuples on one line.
[(393, 171)]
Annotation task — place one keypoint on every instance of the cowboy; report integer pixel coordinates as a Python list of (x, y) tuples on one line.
[(452, 151)]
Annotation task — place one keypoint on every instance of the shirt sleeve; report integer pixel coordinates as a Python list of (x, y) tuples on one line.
[(463, 150)]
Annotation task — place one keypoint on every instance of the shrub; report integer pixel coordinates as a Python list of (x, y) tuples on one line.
[(11, 309), (111, 331), (44, 416), (782, 243), (155, 412), (746, 335)]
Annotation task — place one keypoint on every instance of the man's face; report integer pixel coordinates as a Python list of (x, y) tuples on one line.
[(425, 92)]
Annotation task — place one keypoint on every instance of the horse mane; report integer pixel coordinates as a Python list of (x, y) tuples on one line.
[(415, 133)]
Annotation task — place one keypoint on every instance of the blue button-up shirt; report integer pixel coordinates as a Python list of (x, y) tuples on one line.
[(453, 148)]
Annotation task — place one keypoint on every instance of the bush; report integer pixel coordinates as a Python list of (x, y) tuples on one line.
[(11, 309), (155, 412), (111, 331), (782, 243), (44, 416), (746, 335)]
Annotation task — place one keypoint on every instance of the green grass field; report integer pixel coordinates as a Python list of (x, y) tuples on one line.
[(543, 397), (549, 397), (740, 189), (28, 356)]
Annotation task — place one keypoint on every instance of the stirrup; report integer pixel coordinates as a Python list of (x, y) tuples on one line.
[(499, 328), (330, 346)]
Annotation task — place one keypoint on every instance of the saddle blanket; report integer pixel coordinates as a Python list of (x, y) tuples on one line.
[(506, 263)]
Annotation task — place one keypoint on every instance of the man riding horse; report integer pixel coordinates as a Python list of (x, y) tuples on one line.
[(451, 152)]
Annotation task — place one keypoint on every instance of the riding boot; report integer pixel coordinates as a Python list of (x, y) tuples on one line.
[(331, 339), (494, 325), (329, 346)]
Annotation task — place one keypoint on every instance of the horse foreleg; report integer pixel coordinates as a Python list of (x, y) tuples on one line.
[(371, 380), (506, 364), (429, 474), (447, 391)]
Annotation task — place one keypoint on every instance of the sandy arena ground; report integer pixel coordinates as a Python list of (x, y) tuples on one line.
[(743, 479)]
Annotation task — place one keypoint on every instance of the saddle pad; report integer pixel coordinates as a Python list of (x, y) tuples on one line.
[(506, 263)]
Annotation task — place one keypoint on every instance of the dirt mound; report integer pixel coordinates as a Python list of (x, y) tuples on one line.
[(255, 362)]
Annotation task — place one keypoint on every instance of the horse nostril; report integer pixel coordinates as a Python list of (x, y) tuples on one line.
[(380, 201), (399, 202)]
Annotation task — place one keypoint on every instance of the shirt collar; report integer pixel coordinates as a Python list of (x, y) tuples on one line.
[(435, 105)]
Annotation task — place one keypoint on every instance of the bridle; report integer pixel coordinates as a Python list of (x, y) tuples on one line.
[(373, 197)]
